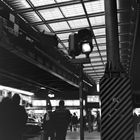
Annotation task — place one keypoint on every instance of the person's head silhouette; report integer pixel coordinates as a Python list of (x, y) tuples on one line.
[(61, 103), (16, 99)]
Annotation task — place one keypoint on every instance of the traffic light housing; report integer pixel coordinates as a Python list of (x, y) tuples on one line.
[(74, 49), (80, 42)]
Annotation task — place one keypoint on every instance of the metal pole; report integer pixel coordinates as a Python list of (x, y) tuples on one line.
[(116, 91), (112, 40), (81, 102)]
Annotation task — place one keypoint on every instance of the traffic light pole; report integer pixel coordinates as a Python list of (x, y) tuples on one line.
[(81, 62), (81, 102)]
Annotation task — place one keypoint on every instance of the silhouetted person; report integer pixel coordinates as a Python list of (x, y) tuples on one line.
[(74, 121), (48, 125), (19, 117), (5, 119), (61, 120), (135, 118), (70, 124), (90, 119), (98, 121)]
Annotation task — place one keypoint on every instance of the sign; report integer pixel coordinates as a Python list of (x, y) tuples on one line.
[(92, 98)]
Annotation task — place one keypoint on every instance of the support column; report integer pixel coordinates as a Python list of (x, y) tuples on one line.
[(112, 41), (81, 102), (115, 87)]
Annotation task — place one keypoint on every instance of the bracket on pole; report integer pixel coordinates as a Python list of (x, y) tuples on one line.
[(80, 61)]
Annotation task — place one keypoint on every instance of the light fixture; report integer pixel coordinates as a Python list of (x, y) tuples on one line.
[(86, 47), (98, 87), (42, 88), (16, 90), (51, 95)]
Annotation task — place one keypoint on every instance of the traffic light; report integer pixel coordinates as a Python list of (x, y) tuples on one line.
[(80, 42), (85, 41)]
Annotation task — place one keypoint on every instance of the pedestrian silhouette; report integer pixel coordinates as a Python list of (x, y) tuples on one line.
[(74, 121), (5, 119), (61, 120), (19, 117), (48, 125)]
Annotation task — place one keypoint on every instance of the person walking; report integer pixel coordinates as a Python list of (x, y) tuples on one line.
[(61, 120), (13, 118), (48, 126), (90, 121), (5, 119), (74, 121), (19, 117)]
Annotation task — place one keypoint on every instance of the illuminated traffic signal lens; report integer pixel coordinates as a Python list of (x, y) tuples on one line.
[(86, 48)]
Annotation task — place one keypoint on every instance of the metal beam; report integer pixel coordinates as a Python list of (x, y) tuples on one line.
[(68, 18), (93, 27), (102, 36), (25, 80), (50, 6), (87, 70), (75, 17)]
